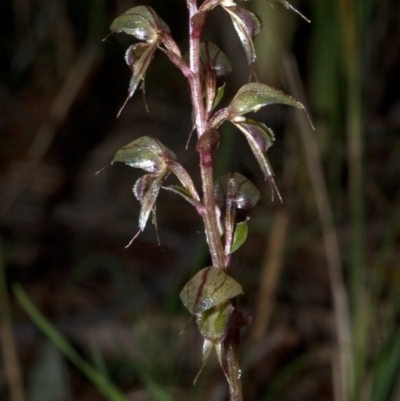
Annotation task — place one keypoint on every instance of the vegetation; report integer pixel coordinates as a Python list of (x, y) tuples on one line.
[(322, 289)]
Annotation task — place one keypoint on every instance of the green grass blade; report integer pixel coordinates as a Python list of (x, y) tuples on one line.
[(387, 371), (154, 388), (97, 378)]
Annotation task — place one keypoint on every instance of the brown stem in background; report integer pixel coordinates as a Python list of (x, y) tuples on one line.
[(339, 294), (270, 274)]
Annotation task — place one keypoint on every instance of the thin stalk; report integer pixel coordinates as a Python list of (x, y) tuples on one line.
[(206, 168), (350, 42), (355, 144), (231, 343), (339, 295)]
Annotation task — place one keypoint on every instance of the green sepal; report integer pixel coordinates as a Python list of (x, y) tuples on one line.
[(213, 326), (211, 286), (251, 97), (142, 22), (147, 153)]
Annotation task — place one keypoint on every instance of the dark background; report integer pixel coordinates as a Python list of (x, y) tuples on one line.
[(63, 229)]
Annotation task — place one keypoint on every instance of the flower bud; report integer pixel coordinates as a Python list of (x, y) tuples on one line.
[(236, 188), (147, 153)]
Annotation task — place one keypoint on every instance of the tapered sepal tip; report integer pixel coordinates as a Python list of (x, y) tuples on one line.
[(213, 325)]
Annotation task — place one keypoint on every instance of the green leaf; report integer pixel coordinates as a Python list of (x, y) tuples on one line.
[(142, 22), (239, 236), (211, 286), (220, 95), (236, 188), (147, 153), (253, 96), (247, 26)]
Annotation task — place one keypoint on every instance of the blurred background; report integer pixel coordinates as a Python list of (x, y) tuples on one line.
[(84, 319)]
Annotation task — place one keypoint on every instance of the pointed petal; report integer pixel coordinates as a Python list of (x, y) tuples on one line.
[(207, 348), (149, 200), (260, 139), (139, 68), (247, 26)]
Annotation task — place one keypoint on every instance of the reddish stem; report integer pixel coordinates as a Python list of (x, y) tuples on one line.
[(219, 259)]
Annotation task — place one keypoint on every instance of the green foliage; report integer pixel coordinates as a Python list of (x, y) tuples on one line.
[(97, 378), (239, 235)]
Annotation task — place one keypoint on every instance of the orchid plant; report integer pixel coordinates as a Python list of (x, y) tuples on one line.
[(210, 294)]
